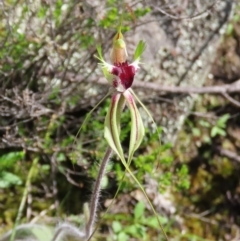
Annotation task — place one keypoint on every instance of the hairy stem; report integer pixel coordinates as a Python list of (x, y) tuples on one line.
[(96, 194)]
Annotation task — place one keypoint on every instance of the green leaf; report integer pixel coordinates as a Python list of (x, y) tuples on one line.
[(117, 227), (230, 29), (8, 179), (7, 160), (165, 147), (223, 120), (122, 237), (139, 12), (153, 221), (42, 234), (136, 230), (61, 157), (104, 182), (139, 210), (204, 123), (196, 132), (183, 178), (167, 160), (217, 131)]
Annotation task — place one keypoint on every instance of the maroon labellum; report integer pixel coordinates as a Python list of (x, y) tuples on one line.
[(125, 73)]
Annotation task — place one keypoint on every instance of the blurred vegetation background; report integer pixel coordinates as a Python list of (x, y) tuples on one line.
[(48, 84)]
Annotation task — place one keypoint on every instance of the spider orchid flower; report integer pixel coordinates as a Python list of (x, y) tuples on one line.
[(120, 75)]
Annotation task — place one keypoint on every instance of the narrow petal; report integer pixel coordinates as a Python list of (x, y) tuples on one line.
[(106, 68), (138, 53), (139, 50), (137, 128)]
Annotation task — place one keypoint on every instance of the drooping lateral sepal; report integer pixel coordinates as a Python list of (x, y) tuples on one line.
[(112, 124), (137, 128)]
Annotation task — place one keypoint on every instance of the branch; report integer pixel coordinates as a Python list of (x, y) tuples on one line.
[(198, 15), (224, 90), (230, 99), (220, 89)]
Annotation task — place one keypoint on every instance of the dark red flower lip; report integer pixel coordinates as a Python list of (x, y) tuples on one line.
[(125, 72)]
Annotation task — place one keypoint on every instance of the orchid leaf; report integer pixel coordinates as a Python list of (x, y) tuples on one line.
[(139, 50), (137, 128)]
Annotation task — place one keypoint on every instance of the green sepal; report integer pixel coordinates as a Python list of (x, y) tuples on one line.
[(112, 124), (137, 128), (146, 110)]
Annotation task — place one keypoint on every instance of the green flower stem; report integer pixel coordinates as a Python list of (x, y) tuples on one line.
[(96, 194), (24, 198)]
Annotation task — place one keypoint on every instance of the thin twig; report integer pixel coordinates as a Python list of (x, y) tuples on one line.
[(230, 99), (229, 154), (201, 14), (220, 89)]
